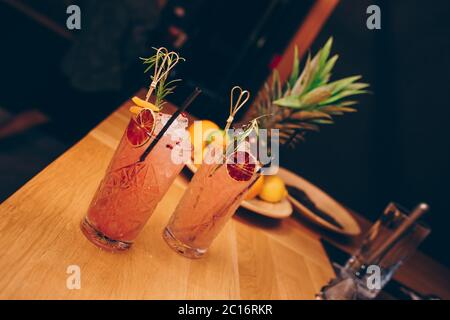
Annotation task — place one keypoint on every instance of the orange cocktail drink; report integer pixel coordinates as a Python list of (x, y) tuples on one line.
[(220, 184), (131, 188), (212, 198)]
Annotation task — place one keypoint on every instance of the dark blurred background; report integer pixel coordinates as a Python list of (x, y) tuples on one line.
[(57, 84)]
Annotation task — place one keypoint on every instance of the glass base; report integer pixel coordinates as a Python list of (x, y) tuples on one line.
[(180, 247), (102, 241)]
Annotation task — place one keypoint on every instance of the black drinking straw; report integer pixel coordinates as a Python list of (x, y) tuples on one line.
[(185, 105)]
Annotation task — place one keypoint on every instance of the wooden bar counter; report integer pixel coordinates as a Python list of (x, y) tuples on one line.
[(41, 239)]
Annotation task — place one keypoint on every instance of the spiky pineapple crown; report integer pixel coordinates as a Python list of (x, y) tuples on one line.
[(308, 99)]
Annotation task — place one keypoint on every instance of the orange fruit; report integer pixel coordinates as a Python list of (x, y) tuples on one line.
[(207, 127), (141, 127), (135, 110), (144, 104), (274, 189), (198, 140), (217, 137), (241, 166), (255, 189)]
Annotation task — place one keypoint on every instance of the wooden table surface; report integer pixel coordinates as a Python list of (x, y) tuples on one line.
[(41, 238)]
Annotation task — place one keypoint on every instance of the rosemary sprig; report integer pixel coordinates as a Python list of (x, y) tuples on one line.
[(163, 86), (241, 136), (163, 90)]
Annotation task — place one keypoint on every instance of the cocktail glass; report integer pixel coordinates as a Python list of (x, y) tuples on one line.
[(383, 250), (131, 189), (212, 197)]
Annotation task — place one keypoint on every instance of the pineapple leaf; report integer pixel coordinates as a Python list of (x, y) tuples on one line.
[(289, 101), (321, 58), (341, 95), (308, 99), (323, 121), (358, 86), (301, 82), (308, 115), (336, 109), (329, 66), (343, 83), (316, 96)]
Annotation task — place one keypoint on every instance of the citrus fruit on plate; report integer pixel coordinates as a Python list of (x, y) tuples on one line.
[(141, 127), (273, 190), (255, 189)]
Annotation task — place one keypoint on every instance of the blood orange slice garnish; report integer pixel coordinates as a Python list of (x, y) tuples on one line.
[(141, 127), (241, 166)]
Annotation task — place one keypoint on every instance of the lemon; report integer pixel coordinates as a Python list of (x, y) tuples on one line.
[(256, 189), (273, 190)]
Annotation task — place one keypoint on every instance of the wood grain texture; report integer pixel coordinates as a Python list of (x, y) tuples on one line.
[(40, 236)]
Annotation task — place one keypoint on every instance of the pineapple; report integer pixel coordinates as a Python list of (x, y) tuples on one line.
[(308, 99)]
